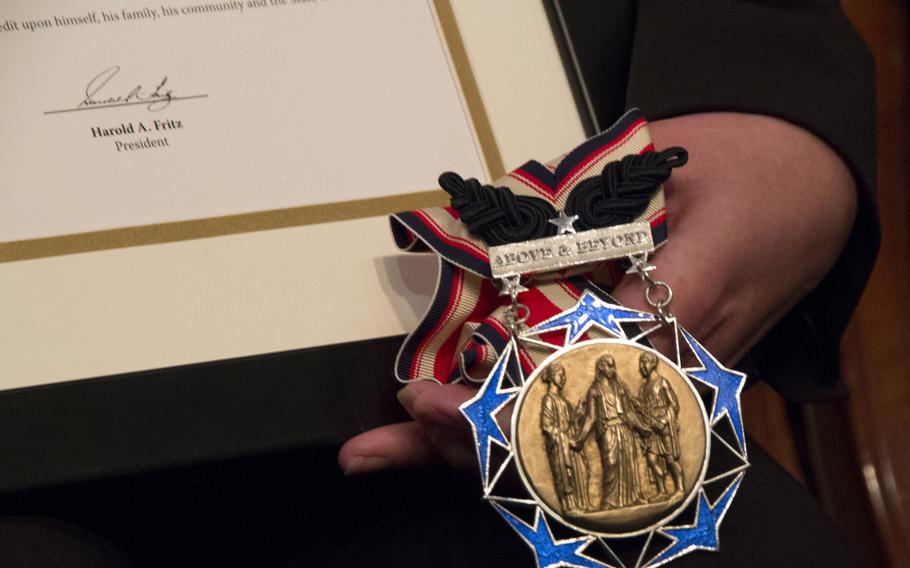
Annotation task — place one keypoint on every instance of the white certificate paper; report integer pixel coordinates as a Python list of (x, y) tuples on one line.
[(120, 114)]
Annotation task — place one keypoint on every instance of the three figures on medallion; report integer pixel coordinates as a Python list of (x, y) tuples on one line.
[(637, 441)]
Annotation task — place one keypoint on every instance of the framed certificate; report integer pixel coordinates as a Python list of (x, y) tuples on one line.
[(195, 195)]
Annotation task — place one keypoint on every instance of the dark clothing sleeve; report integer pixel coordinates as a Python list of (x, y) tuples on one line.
[(803, 62)]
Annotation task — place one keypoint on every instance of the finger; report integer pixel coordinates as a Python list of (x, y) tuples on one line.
[(437, 408), (406, 444), (456, 446), (436, 405)]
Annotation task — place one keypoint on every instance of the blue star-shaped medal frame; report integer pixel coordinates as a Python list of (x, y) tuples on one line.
[(481, 412), (483, 409)]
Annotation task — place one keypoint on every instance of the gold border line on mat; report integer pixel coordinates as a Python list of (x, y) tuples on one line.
[(218, 226), (294, 216), (469, 88)]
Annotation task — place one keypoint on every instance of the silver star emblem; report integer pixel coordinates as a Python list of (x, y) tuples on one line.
[(640, 265), (511, 286), (564, 223)]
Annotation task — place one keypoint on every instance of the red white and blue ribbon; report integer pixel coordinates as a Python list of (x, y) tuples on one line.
[(462, 333)]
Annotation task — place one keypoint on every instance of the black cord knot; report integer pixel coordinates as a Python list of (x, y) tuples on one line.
[(495, 213), (623, 189), (618, 195)]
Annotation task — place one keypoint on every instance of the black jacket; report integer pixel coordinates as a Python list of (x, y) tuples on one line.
[(798, 60)]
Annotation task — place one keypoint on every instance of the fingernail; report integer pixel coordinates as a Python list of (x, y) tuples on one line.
[(367, 464), (406, 397)]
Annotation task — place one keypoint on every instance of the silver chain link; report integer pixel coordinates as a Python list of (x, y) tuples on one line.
[(514, 316), (658, 293)]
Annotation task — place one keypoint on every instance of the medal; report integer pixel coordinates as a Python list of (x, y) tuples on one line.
[(616, 454), (612, 440)]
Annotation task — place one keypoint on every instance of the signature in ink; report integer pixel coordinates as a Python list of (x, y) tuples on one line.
[(96, 93)]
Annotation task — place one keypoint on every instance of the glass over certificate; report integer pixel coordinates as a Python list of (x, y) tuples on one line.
[(189, 180)]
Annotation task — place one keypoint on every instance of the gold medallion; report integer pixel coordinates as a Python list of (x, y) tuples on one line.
[(610, 437)]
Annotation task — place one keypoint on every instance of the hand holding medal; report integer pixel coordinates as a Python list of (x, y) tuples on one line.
[(655, 478)]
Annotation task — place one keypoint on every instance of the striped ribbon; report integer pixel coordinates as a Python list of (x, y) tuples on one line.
[(462, 333)]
